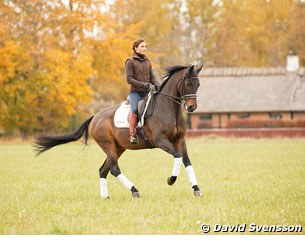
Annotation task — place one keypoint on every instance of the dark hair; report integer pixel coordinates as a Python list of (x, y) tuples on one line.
[(137, 43)]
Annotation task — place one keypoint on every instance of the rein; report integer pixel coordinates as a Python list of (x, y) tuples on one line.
[(173, 98)]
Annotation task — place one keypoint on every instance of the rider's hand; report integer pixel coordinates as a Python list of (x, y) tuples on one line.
[(146, 86)]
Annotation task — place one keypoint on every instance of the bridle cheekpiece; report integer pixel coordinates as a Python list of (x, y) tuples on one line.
[(183, 96)]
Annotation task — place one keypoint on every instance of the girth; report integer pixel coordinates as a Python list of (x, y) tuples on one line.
[(142, 134)]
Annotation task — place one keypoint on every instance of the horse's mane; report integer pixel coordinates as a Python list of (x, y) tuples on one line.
[(169, 71)]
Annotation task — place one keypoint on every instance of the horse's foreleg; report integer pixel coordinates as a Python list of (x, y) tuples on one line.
[(170, 148), (190, 170)]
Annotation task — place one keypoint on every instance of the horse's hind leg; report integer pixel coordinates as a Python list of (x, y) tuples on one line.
[(115, 171), (104, 170), (111, 164)]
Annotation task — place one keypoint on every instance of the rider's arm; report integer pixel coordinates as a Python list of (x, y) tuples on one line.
[(129, 75)]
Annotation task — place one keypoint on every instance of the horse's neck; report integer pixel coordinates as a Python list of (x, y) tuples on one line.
[(171, 87)]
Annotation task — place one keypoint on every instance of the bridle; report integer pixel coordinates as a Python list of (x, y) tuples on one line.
[(183, 96)]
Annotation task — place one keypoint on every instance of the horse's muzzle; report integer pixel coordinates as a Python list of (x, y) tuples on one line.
[(190, 105)]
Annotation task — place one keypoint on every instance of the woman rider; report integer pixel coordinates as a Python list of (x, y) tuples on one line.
[(140, 76)]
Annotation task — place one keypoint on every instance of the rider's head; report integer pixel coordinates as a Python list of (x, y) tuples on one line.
[(139, 46)]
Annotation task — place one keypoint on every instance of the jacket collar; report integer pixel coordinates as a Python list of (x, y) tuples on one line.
[(136, 56)]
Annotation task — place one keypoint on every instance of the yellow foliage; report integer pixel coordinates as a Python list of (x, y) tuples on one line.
[(13, 59), (68, 76), (109, 58), (259, 32)]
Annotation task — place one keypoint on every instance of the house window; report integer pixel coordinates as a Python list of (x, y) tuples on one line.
[(205, 117), (291, 115), (229, 116), (275, 115), (243, 115)]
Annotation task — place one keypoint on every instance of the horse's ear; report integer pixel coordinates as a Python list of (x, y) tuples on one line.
[(191, 69), (198, 68)]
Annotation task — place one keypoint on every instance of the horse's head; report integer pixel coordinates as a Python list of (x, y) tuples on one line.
[(189, 87)]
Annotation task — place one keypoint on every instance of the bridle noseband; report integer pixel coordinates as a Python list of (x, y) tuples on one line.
[(187, 96)]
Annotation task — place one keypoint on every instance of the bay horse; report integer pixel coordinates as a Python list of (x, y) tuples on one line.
[(164, 128)]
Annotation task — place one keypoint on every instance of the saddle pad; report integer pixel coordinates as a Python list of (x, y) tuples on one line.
[(121, 116)]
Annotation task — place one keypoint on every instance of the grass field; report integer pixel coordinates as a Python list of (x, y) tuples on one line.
[(243, 181)]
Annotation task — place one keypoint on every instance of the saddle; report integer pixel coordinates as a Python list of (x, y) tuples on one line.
[(145, 108)]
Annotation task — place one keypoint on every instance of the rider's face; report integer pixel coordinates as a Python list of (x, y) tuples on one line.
[(141, 48)]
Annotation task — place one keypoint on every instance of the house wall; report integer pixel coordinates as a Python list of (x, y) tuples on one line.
[(241, 120)]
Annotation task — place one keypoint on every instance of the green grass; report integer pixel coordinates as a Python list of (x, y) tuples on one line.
[(243, 181)]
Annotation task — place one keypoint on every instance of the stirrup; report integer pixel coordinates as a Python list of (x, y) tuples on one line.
[(134, 139)]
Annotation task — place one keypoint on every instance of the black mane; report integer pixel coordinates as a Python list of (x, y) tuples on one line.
[(169, 71)]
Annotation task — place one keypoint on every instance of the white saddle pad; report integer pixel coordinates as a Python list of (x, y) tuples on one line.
[(121, 119)]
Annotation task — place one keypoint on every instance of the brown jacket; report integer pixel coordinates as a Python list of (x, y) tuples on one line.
[(139, 71)]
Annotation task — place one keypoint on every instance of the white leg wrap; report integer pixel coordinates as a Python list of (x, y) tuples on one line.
[(103, 188), (124, 180), (176, 168), (191, 175)]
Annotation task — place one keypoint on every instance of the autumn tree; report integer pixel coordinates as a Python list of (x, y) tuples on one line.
[(198, 30), (43, 82), (109, 55), (259, 32), (154, 23), (55, 55)]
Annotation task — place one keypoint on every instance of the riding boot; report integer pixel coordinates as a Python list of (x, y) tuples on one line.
[(133, 118)]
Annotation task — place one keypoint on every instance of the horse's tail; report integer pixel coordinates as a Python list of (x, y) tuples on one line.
[(44, 143)]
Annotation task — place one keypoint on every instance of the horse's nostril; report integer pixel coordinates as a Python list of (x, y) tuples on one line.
[(192, 108)]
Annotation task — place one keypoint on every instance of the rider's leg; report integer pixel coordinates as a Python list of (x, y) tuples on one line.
[(134, 98)]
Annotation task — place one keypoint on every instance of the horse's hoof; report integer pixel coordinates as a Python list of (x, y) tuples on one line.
[(106, 198), (136, 194), (171, 180), (198, 194)]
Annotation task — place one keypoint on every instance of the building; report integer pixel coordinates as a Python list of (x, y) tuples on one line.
[(253, 98)]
